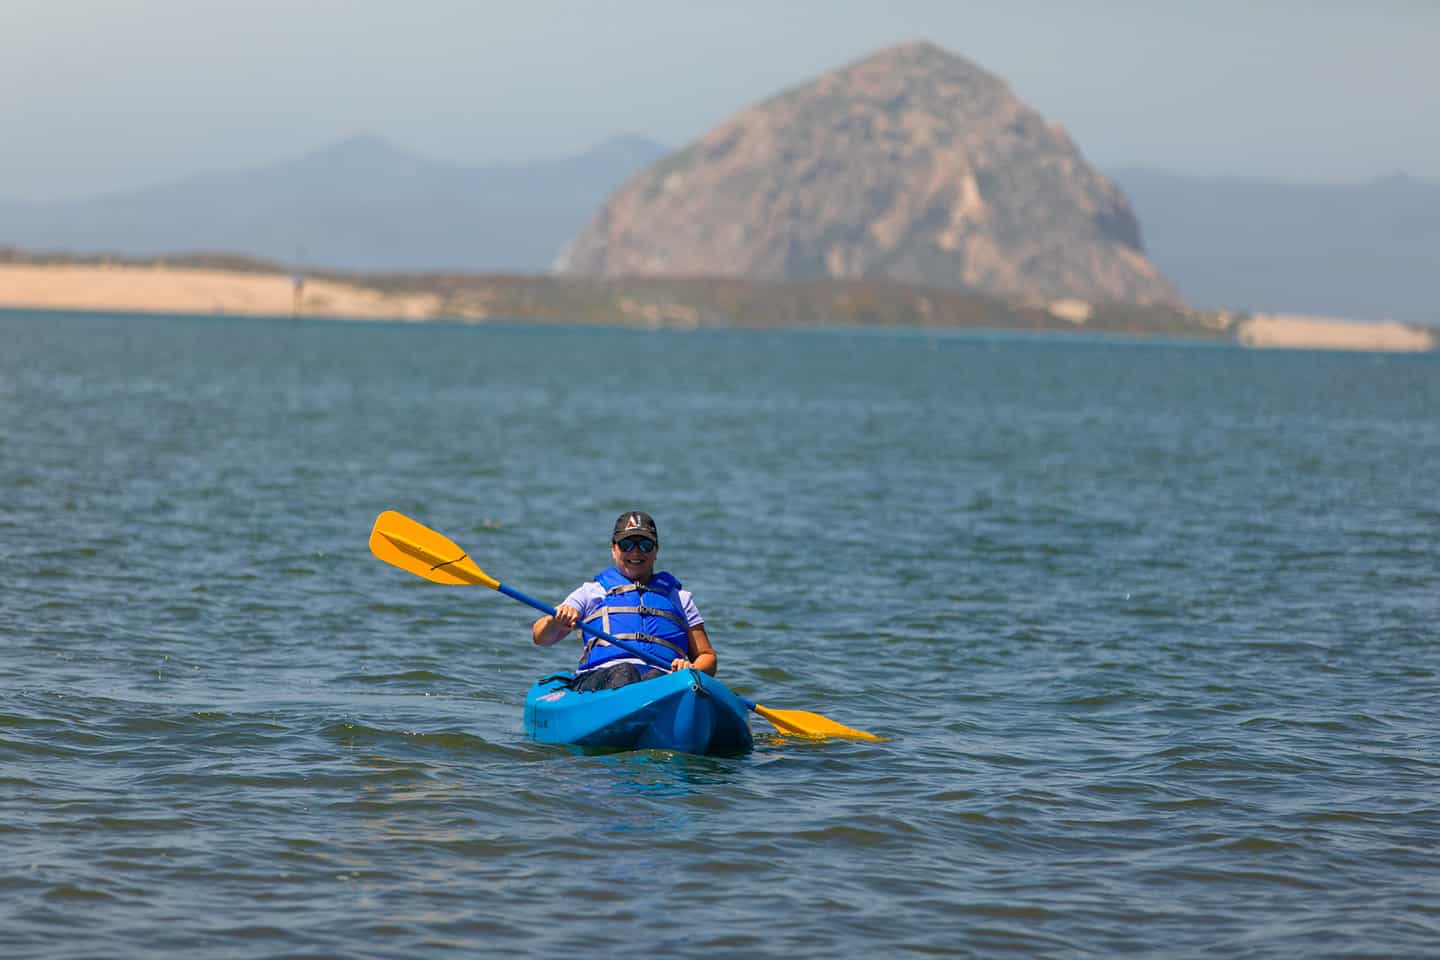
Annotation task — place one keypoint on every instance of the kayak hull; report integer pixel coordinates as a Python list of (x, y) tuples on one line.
[(687, 711)]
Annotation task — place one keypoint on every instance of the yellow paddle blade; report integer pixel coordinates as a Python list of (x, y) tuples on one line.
[(803, 723), (412, 546)]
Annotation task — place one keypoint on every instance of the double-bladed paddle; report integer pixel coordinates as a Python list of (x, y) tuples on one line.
[(412, 546)]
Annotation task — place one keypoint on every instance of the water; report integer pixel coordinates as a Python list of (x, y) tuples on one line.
[(1150, 626)]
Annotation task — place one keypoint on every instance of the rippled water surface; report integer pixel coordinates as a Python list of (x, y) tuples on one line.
[(1151, 629)]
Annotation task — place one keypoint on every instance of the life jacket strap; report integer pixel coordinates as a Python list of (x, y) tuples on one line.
[(594, 642), (643, 611), (640, 609)]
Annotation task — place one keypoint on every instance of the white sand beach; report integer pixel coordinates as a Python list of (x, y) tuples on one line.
[(1300, 332), (183, 290)]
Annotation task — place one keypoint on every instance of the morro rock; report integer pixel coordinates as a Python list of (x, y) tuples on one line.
[(912, 165)]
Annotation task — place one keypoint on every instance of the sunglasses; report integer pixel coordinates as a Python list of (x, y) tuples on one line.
[(643, 544)]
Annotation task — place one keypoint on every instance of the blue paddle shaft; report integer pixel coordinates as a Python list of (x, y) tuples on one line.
[(546, 608)]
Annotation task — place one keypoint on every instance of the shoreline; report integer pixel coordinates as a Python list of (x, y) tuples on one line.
[(162, 288), (208, 291), (1291, 331)]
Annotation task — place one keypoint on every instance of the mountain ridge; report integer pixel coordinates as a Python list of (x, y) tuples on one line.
[(357, 203), (1367, 250)]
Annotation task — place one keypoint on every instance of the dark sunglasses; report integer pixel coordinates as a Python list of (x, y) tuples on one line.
[(643, 544)]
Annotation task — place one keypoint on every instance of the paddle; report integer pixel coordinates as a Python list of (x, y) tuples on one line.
[(412, 546)]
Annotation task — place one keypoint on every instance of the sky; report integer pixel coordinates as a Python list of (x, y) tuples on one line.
[(103, 95)]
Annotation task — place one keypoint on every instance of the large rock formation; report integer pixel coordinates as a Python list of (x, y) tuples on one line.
[(914, 165)]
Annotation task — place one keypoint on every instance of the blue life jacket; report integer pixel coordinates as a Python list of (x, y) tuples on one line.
[(645, 615)]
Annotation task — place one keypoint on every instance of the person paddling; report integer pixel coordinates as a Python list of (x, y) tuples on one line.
[(631, 602)]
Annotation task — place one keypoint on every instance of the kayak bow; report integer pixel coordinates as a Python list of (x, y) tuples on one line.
[(687, 711)]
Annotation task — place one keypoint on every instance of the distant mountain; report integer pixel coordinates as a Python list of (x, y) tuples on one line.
[(911, 165), (359, 204), (1365, 250)]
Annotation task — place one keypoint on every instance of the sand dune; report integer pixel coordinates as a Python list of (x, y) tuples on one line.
[(1295, 331), (177, 290)]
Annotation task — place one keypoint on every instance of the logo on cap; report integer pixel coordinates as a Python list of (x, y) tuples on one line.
[(634, 522)]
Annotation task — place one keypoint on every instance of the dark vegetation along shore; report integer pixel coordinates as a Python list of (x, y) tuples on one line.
[(693, 302), (733, 301)]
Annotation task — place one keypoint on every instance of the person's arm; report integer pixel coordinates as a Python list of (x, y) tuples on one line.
[(548, 630), (702, 654)]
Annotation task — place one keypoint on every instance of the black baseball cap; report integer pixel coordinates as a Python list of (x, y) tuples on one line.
[(634, 523)]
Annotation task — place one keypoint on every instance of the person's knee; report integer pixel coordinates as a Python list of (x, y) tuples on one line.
[(608, 678)]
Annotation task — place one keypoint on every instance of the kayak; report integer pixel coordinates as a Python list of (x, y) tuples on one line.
[(687, 711)]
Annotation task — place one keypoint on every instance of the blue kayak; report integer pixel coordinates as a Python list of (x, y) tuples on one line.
[(687, 711)]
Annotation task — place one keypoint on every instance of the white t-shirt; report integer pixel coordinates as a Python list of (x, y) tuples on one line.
[(589, 597)]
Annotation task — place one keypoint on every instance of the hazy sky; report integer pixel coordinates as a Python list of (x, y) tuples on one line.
[(105, 94)]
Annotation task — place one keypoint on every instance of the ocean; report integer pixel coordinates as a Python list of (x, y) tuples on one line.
[(1149, 628)]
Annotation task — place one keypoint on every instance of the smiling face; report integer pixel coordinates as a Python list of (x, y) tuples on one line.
[(632, 563)]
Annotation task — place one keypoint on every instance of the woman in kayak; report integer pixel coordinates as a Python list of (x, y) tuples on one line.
[(631, 602)]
